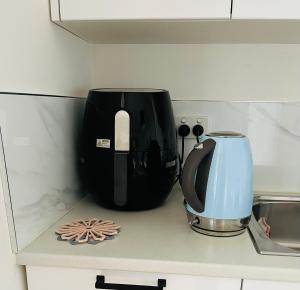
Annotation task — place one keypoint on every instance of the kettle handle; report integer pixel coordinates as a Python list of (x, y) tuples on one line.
[(189, 173)]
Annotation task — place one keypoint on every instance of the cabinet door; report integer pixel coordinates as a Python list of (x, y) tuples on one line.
[(48, 278), (143, 9), (269, 285), (266, 9)]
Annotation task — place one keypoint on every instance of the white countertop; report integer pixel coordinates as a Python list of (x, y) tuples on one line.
[(158, 241)]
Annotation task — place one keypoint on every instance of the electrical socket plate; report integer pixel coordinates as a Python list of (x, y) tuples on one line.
[(192, 120)]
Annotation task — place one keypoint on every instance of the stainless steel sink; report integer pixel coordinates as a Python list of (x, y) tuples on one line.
[(282, 214)]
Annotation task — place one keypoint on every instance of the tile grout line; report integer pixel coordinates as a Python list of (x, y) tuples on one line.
[(13, 225)]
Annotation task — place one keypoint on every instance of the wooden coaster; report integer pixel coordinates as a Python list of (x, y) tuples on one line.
[(92, 231)]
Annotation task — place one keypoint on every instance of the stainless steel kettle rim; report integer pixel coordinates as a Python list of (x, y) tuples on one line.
[(217, 227), (225, 134)]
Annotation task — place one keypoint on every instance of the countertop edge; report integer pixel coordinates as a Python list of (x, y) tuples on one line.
[(163, 267)]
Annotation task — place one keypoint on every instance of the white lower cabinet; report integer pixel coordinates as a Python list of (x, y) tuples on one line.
[(50, 278), (269, 285)]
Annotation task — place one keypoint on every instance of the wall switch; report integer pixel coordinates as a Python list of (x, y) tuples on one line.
[(192, 120)]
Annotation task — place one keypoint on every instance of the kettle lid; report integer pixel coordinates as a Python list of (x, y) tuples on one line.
[(226, 134)]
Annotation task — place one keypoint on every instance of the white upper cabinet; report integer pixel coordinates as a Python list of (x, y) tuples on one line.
[(270, 285), (70, 10), (179, 21), (266, 9)]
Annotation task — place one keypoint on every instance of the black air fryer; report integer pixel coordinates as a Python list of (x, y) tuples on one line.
[(129, 155)]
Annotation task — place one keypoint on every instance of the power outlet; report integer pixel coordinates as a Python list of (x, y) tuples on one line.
[(192, 120)]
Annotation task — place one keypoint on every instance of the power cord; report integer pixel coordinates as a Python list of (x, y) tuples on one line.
[(183, 131), (198, 130)]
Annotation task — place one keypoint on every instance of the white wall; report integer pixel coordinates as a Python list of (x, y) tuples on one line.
[(202, 71), (36, 56)]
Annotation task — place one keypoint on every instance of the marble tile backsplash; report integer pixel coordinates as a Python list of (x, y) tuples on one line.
[(274, 132), (40, 142)]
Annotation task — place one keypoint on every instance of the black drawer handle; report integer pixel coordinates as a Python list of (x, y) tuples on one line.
[(100, 284)]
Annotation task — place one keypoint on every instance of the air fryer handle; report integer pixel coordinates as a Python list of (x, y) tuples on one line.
[(122, 147), (120, 178), (189, 172)]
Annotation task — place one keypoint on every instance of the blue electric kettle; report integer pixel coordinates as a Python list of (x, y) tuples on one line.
[(217, 183)]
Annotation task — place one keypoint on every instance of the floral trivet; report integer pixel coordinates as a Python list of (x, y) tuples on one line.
[(92, 231)]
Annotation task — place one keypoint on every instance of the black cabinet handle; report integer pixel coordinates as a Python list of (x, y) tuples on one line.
[(100, 284)]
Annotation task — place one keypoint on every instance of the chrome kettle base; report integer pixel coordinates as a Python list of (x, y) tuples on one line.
[(217, 227)]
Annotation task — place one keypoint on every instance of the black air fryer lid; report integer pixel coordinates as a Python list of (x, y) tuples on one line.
[(95, 95), (150, 110)]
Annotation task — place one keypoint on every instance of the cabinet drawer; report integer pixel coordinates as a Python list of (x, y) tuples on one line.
[(266, 9), (49, 278), (266, 285), (143, 9)]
